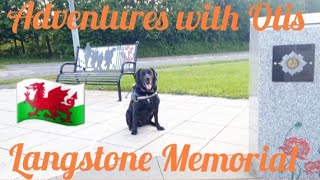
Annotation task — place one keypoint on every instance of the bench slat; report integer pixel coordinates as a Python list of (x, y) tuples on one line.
[(91, 83), (90, 75), (86, 82), (87, 79)]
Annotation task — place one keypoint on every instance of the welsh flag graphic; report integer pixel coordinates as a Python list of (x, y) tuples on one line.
[(50, 101)]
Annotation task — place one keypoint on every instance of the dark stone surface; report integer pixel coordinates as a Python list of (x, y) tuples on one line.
[(306, 75)]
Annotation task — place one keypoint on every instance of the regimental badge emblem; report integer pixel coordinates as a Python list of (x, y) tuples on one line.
[(293, 63)]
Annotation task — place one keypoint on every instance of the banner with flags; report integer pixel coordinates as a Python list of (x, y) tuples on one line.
[(50, 101)]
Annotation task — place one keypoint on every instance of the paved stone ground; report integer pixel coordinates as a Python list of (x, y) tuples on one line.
[(210, 125)]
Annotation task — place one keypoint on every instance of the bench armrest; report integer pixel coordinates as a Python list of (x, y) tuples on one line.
[(125, 63), (65, 64)]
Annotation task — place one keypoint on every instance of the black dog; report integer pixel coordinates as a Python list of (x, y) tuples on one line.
[(145, 101)]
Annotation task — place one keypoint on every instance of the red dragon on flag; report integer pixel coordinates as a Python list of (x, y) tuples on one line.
[(54, 103)]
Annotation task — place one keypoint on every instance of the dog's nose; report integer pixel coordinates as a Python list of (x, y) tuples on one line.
[(148, 77)]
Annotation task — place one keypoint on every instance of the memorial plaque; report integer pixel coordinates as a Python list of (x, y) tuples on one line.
[(293, 63)]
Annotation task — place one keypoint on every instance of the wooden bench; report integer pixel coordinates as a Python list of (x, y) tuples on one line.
[(101, 65)]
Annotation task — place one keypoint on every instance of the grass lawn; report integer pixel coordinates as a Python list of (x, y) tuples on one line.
[(223, 79), (228, 80)]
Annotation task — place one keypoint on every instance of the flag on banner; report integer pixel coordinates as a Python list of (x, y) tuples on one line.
[(50, 101)]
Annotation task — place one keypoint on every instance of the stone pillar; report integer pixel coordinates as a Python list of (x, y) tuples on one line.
[(75, 33), (285, 96)]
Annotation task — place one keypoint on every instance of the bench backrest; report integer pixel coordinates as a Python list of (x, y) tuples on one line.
[(109, 58)]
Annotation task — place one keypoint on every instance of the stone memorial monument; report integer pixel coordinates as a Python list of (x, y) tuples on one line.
[(285, 96)]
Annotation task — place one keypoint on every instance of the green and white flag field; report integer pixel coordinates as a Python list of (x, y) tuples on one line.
[(50, 101)]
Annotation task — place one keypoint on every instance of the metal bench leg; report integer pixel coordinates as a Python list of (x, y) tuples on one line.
[(119, 91), (119, 87), (57, 79)]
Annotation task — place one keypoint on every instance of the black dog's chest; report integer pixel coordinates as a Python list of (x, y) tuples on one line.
[(144, 110), (147, 102), (146, 106)]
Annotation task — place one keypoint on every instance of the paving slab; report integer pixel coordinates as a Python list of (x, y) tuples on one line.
[(153, 173), (208, 124), (159, 144), (199, 130), (207, 174), (225, 148)]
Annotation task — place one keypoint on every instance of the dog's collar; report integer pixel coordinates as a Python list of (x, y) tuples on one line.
[(135, 97), (138, 98)]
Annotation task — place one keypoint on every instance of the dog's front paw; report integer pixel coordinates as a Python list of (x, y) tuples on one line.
[(134, 132), (159, 128)]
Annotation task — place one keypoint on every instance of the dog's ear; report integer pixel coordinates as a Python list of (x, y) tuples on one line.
[(136, 76), (155, 74)]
